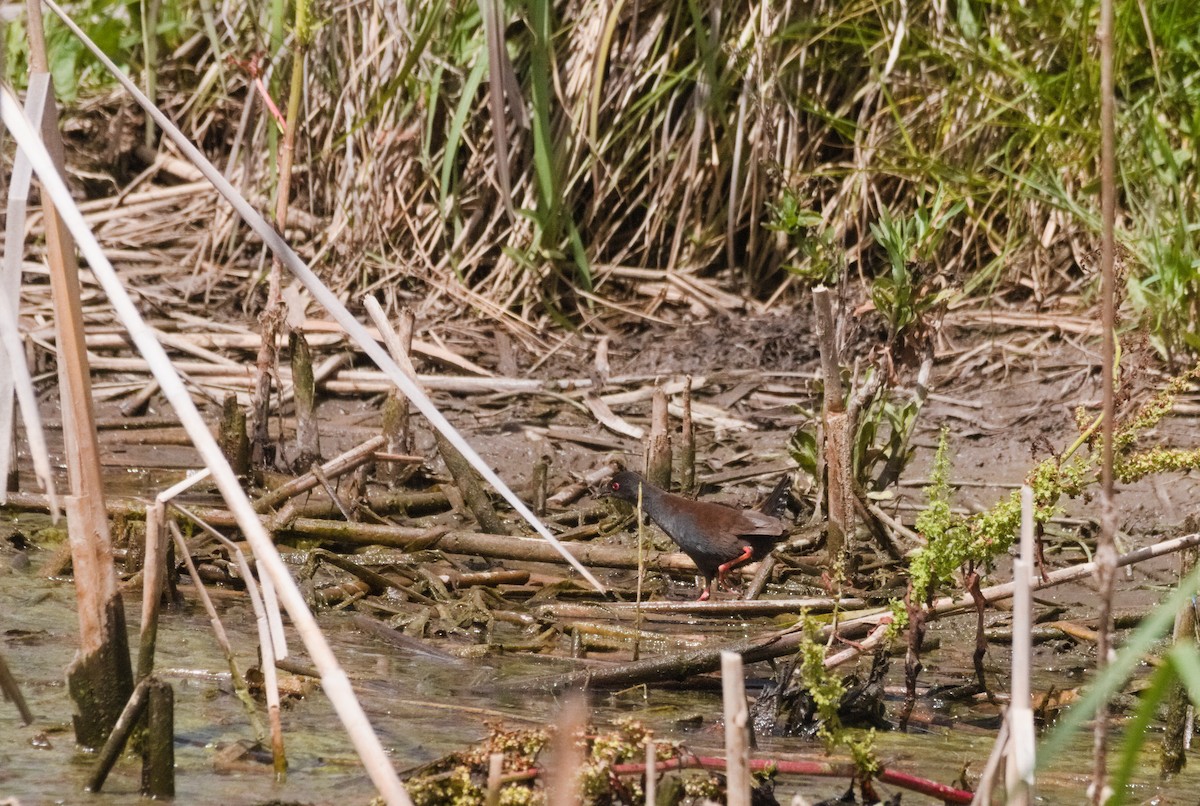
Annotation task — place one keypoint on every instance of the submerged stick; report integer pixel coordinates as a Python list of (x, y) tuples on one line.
[(12, 691), (128, 719)]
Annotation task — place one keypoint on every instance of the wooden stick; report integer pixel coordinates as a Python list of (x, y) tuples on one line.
[(335, 467)]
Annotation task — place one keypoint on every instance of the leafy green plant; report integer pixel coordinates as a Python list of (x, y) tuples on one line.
[(823, 261), (958, 541), (114, 27), (910, 241), (827, 691)]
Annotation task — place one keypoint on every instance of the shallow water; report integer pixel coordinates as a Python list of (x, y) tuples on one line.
[(421, 707)]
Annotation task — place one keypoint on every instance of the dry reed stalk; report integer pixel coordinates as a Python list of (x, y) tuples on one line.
[(100, 677), (1106, 542)]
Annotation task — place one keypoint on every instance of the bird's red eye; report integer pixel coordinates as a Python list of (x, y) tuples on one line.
[(616, 485)]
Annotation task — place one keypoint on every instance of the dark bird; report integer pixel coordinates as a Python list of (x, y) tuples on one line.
[(715, 536)]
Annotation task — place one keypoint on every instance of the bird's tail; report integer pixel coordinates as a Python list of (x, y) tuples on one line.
[(775, 502)]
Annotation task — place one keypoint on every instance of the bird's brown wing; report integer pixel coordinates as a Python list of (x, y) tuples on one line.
[(752, 523)]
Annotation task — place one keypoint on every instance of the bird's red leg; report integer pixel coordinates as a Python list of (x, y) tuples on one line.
[(705, 593), (723, 569)]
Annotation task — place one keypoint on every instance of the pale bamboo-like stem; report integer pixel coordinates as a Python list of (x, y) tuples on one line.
[(1021, 759), (737, 737), (658, 449), (1106, 548), (14, 372), (334, 679), (266, 645)]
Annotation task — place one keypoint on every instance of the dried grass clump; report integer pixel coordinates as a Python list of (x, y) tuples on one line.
[(520, 159)]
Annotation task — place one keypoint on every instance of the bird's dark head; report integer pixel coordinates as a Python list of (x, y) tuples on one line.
[(624, 485)]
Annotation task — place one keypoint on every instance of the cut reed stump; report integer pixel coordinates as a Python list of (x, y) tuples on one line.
[(101, 677)]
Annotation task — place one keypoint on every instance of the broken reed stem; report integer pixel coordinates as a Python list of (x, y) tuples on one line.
[(154, 568), (100, 678), (495, 773), (566, 755), (687, 442), (837, 427), (335, 467), (239, 682), (304, 386), (641, 574), (658, 449), (266, 645), (541, 472), (737, 735), (1020, 771), (651, 787), (1180, 716), (405, 331), (235, 442)]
